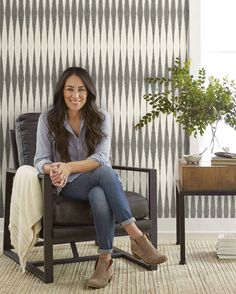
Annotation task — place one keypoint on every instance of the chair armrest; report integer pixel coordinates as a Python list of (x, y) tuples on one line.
[(152, 189), (130, 168), (10, 173), (46, 185), (44, 179)]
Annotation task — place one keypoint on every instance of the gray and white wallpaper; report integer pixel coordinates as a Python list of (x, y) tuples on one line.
[(119, 42)]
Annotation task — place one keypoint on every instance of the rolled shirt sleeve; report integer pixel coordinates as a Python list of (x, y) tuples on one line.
[(103, 149), (43, 144)]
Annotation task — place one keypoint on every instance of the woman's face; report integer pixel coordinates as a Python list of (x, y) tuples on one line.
[(75, 93)]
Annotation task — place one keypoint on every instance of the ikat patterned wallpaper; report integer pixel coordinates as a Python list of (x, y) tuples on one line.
[(119, 42)]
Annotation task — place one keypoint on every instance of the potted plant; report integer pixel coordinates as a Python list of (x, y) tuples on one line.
[(192, 101)]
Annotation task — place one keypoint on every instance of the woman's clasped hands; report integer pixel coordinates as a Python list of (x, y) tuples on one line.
[(59, 173)]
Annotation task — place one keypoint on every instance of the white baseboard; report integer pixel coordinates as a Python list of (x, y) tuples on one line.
[(196, 228), (198, 225)]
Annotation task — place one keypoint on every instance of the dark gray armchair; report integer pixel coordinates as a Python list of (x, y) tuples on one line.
[(70, 221)]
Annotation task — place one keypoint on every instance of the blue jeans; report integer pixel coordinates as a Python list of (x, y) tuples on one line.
[(103, 189)]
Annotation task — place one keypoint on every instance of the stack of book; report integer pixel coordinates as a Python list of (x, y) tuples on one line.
[(226, 246), (224, 158)]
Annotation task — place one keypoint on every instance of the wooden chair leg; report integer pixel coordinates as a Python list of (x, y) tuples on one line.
[(48, 262)]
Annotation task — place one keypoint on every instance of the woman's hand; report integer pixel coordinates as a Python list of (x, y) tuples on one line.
[(59, 173), (56, 178)]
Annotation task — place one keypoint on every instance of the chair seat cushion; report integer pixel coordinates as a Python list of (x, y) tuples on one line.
[(72, 212)]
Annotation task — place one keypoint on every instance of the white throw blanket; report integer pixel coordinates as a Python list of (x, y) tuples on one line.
[(25, 212)]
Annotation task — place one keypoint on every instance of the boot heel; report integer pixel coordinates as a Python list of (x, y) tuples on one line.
[(136, 256)]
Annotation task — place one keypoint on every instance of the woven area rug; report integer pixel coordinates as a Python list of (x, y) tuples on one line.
[(203, 273)]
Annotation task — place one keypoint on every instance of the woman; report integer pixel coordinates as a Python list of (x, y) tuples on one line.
[(73, 146)]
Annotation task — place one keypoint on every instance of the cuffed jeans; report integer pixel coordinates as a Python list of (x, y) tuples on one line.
[(103, 189)]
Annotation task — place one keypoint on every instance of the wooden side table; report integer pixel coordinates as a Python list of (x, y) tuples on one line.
[(202, 179)]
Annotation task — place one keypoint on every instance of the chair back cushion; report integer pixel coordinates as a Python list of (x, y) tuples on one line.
[(26, 128)]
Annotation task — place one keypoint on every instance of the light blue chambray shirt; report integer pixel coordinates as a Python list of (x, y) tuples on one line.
[(45, 148)]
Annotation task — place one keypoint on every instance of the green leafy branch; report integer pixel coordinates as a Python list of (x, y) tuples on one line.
[(189, 100)]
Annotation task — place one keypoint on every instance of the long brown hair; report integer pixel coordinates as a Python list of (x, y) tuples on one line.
[(93, 118)]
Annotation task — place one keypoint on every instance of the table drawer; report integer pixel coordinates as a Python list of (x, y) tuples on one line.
[(204, 177)]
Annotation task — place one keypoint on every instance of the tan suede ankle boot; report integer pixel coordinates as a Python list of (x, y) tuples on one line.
[(102, 275), (142, 248)]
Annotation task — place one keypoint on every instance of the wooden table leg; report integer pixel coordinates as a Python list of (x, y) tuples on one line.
[(177, 217), (182, 227)]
